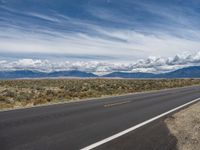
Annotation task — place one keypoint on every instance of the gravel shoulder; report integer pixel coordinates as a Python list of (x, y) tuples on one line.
[(185, 126)]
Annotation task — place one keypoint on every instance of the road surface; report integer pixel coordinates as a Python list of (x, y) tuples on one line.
[(77, 125)]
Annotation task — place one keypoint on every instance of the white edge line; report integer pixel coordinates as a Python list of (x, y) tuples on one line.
[(136, 126)]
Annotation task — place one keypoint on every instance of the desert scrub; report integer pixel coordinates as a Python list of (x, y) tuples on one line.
[(35, 92)]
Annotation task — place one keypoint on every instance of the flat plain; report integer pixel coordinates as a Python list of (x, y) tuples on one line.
[(27, 93)]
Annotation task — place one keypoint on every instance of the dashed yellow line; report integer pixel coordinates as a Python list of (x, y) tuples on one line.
[(116, 104)]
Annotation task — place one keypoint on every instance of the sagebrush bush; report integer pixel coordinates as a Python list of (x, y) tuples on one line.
[(53, 90)]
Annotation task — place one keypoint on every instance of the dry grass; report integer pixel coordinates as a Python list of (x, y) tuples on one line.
[(20, 93)]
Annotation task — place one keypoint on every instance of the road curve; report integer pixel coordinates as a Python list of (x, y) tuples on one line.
[(76, 125)]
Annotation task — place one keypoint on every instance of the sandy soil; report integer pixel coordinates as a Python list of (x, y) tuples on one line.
[(185, 126)]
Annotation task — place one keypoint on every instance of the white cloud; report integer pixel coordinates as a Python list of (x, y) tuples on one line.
[(124, 43), (87, 37), (44, 17), (151, 65)]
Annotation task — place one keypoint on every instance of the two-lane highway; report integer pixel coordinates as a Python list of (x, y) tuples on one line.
[(76, 125)]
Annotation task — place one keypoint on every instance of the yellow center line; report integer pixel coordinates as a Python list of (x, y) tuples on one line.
[(116, 104)]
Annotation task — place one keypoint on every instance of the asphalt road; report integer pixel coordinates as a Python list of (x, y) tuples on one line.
[(76, 125)]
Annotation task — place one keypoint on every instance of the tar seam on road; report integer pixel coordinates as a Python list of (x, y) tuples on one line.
[(92, 146), (116, 104)]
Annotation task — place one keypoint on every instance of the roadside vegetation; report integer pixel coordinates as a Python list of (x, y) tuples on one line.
[(24, 93)]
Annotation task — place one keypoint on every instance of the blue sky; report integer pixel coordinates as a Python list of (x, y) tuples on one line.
[(122, 32)]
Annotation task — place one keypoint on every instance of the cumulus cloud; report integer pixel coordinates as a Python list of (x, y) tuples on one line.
[(150, 65)]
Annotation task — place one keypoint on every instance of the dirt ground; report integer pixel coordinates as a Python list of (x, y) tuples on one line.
[(185, 126)]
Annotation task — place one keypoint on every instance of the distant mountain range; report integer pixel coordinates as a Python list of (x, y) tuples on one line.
[(37, 74), (189, 72)]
